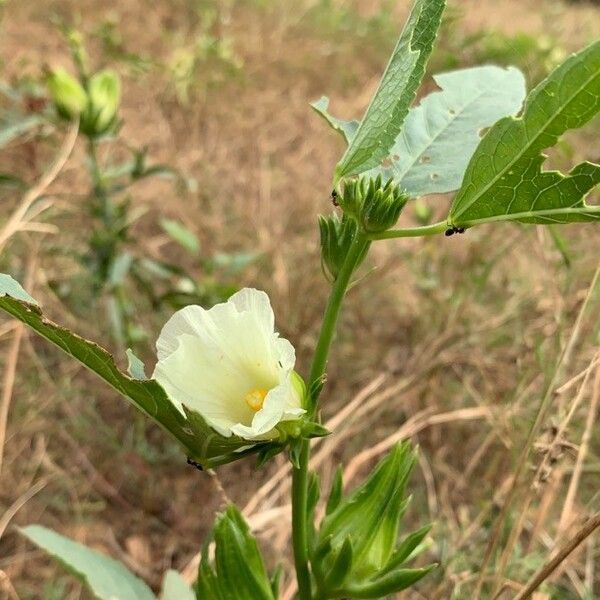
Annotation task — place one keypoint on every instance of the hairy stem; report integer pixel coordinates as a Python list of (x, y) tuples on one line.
[(300, 474)]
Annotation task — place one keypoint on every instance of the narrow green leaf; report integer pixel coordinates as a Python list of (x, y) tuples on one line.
[(390, 583), (385, 115), (175, 587), (181, 234), (105, 577), (505, 181), (200, 442)]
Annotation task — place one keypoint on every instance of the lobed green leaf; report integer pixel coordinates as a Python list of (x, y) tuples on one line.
[(505, 181)]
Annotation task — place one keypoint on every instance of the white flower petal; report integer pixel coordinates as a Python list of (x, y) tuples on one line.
[(257, 303), (210, 360), (286, 354), (206, 382)]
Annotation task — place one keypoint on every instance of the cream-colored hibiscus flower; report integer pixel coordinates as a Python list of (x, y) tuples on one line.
[(229, 365)]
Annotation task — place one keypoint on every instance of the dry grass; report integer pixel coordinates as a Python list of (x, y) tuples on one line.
[(452, 343)]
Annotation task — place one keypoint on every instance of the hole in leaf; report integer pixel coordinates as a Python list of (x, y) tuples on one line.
[(434, 176), (451, 111)]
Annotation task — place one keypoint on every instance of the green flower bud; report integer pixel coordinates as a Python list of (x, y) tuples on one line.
[(336, 238), (381, 206), (67, 94), (104, 92), (358, 554), (374, 205)]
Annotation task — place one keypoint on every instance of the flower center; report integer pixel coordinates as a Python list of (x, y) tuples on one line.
[(255, 399)]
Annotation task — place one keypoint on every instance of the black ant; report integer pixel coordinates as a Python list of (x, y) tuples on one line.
[(454, 229), (193, 463), (334, 198)]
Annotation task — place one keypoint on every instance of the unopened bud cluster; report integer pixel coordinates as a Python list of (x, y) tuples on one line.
[(337, 235), (375, 205), (95, 102)]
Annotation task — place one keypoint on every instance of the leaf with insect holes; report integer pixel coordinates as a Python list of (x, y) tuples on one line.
[(200, 441), (440, 135), (106, 578), (505, 180), (385, 115)]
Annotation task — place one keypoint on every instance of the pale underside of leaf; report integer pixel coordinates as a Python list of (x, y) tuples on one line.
[(105, 577), (200, 442), (175, 587), (385, 115), (440, 135), (505, 180)]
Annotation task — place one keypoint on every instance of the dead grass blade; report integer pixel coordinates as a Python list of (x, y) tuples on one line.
[(20, 219), (540, 418), (8, 381), (560, 556)]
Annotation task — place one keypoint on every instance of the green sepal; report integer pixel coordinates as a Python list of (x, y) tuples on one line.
[(341, 566), (312, 429), (238, 571), (337, 489), (388, 584), (406, 548)]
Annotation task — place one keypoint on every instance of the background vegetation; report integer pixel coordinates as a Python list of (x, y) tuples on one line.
[(456, 350)]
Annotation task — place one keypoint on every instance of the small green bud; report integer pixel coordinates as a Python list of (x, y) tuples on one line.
[(374, 205), (336, 238), (381, 206), (104, 92), (67, 94)]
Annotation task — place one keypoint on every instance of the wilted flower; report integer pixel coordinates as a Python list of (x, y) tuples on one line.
[(230, 366)]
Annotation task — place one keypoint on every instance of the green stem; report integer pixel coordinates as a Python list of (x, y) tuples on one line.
[(300, 474), (411, 232), (106, 253)]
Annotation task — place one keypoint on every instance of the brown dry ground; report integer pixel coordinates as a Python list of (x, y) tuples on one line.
[(472, 322)]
